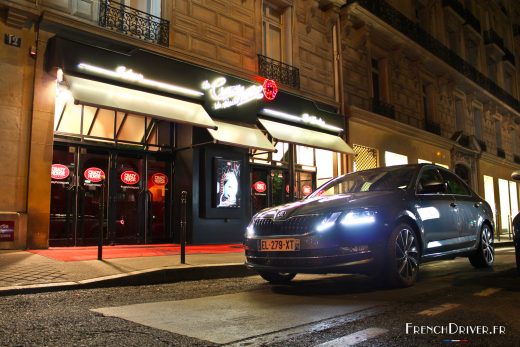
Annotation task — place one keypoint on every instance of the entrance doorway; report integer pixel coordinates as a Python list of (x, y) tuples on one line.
[(270, 186), (126, 194)]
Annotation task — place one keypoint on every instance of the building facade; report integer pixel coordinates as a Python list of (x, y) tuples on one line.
[(145, 119), (436, 81)]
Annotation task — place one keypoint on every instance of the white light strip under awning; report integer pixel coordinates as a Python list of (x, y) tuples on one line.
[(241, 136), (306, 137), (99, 94)]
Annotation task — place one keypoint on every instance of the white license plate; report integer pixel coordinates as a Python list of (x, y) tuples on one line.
[(279, 245)]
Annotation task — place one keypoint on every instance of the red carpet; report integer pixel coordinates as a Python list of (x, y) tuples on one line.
[(131, 251)]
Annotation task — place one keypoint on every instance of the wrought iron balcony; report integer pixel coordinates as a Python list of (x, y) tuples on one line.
[(398, 21), (133, 22), (472, 21), (482, 144), (516, 158), (383, 108), (501, 153), (491, 37), (433, 127), (456, 6), (278, 71), (509, 56)]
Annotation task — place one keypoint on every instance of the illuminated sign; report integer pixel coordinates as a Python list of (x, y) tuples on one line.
[(159, 179), (306, 190), (305, 118), (260, 186), (270, 89), (130, 177), (59, 172), (128, 75), (94, 174), (6, 231), (225, 96)]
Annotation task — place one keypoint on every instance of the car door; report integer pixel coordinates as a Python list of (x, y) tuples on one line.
[(437, 212), (467, 208)]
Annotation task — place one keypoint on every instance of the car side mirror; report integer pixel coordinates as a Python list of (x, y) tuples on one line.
[(434, 187), (516, 175)]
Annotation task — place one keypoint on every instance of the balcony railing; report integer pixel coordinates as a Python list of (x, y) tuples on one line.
[(472, 21), (516, 158), (501, 153), (397, 20), (456, 6), (278, 71), (491, 37), (509, 56), (383, 108), (433, 127), (133, 22)]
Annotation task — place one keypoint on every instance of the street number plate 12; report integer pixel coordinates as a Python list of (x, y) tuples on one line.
[(279, 245)]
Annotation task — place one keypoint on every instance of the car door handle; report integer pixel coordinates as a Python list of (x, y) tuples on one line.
[(453, 204)]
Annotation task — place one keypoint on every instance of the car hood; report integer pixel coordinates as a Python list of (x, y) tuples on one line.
[(334, 203)]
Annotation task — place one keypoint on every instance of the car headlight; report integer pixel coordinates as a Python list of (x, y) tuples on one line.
[(250, 230), (327, 222), (359, 217)]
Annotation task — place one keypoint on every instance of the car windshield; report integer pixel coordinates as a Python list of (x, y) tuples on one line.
[(388, 178)]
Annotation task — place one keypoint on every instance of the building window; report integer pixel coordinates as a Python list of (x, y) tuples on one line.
[(276, 32), (508, 83), (376, 80), (492, 69), (472, 53), (454, 40), (392, 159), (459, 114), (477, 120), (489, 194), (498, 133), (366, 158)]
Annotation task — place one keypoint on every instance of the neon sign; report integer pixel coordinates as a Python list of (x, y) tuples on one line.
[(270, 89), (228, 96), (125, 74), (304, 118)]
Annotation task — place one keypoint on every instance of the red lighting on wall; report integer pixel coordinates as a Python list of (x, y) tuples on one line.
[(270, 89)]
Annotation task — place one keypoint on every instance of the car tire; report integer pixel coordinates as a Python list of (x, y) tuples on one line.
[(402, 256), (485, 254), (277, 277)]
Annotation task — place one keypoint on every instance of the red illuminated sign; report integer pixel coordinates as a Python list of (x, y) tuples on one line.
[(259, 186), (306, 190), (270, 89), (130, 177), (59, 172), (159, 179), (94, 174)]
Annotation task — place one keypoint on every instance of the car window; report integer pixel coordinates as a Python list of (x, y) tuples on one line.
[(455, 184), (390, 178), (428, 175)]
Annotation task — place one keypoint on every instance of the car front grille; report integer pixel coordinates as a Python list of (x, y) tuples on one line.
[(297, 225)]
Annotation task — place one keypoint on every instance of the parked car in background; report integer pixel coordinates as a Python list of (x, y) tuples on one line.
[(516, 227), (386, 220)]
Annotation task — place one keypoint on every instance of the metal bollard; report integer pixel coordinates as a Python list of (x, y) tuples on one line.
[(184, 200)]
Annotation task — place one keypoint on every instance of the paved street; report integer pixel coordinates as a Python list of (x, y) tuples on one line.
[(451, 301)]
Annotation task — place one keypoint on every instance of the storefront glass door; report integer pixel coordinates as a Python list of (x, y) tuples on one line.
[(132, 189)]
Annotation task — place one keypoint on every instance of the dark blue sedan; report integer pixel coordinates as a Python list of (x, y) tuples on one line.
[(385, 221)]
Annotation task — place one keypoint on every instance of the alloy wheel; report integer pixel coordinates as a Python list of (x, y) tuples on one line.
[(488, 249), (406, 254)]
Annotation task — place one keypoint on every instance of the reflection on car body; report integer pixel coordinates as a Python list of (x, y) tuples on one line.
[(385, 220)]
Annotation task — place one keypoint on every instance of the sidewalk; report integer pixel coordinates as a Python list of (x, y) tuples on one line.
[(46, 270), (49, 270)]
